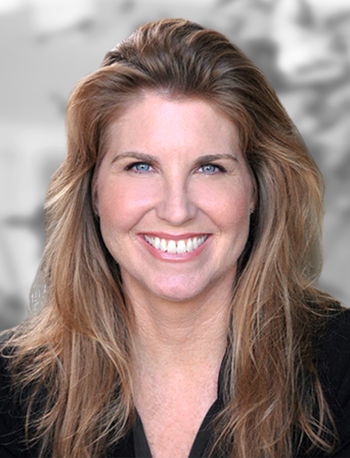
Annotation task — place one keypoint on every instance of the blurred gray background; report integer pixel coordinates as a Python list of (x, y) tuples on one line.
[(46, 46)]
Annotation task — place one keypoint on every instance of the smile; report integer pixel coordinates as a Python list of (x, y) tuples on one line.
[(171, 246), (175, 251)]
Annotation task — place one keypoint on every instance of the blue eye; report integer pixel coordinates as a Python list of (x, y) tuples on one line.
[(141, 167), (206, 166), (134, 166), (219, 169)]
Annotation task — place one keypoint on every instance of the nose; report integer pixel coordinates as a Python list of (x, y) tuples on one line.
[(176, 205)]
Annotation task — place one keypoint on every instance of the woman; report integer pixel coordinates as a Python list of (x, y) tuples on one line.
[(177, 308)]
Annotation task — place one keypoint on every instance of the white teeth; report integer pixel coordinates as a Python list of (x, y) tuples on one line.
[(181, 246), (189, 245), (172, 247), (162, 245)]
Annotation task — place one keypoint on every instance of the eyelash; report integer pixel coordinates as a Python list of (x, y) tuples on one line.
[(219, 167)]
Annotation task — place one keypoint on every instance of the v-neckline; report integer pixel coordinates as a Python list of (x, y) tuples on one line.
[(202, 441), (200, 444)]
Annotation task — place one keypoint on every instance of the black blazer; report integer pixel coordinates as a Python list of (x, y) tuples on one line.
[(332, 358)]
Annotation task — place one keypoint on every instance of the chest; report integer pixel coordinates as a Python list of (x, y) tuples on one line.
[(171, 428)]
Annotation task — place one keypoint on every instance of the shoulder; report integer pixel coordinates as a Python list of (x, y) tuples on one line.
[(332, 349), (6, 383), (5, 376), (332, 359), (12, 415)]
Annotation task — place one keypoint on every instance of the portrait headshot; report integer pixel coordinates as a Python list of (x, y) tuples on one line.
[(177, 310)]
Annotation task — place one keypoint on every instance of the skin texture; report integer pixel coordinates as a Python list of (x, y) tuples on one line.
[(181, 309), (174, 198)]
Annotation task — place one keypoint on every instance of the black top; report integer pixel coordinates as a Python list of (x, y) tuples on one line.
[(332, 358)]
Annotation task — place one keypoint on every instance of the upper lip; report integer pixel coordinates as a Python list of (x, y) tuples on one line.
[(164, 235)]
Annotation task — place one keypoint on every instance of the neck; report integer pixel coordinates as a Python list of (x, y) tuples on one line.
[(184, 338)]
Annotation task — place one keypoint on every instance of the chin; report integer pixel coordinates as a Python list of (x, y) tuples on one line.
[(178, 291)]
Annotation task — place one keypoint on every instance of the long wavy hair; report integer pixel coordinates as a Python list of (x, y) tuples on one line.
[(76, 344)]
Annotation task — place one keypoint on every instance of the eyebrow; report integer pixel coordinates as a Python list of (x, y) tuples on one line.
[(155, 160)]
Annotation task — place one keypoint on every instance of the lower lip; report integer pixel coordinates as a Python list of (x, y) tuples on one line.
[(175, 257)]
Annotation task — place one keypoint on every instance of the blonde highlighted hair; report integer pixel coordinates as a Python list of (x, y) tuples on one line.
[(76, 345)]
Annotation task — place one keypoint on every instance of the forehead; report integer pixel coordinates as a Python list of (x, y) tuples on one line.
[(155, 118)]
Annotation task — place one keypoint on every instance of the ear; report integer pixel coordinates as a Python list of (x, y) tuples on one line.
[(254, 196), (95, 201), (96, 211)]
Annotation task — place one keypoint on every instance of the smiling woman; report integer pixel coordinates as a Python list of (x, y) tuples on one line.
[(175, 194), (177, 309)]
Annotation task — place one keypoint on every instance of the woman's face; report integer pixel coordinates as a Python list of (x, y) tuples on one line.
[(175, 195)]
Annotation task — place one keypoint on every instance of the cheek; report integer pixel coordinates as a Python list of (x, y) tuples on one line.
[(228, 206), (121, 204)]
